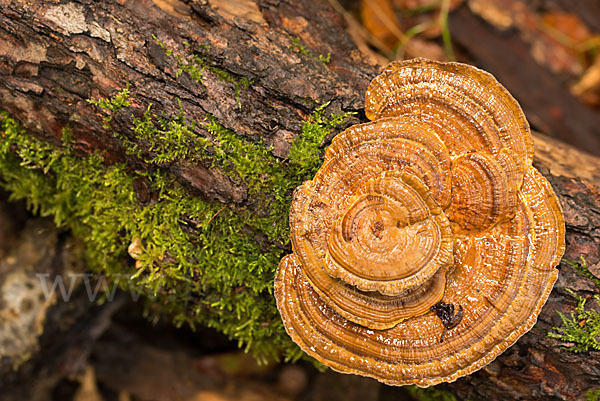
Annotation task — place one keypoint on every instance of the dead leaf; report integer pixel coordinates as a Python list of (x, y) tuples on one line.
[(362, 38), (556, 56), (425, 14), (587, 89), (555, 38), (88, 390), (245, 10), (424, 5), (495, 13), (174, 7), (379, 18), (561, 42), (567, 25)]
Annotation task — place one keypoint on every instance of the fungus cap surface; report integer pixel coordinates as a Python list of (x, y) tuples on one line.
[(426, 243)]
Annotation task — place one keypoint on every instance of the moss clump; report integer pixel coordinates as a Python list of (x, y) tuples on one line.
[(202, 262), (304, 153), (168, 139), (581, 330), (115, 103), (592, 395), (269, 180), (112, 104)]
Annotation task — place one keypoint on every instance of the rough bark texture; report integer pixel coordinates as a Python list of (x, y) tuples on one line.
[(54, 55)]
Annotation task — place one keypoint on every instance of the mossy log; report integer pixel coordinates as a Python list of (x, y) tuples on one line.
[(213, 112)]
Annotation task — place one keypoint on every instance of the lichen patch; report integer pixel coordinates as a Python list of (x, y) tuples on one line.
[(97, 31), (68, 17)]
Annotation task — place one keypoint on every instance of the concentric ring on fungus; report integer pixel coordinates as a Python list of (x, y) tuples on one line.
[(432, 206)]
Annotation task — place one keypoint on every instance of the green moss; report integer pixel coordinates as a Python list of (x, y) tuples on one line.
[(324, 59), (202, 262), (582, 327), (220, 276), (168, 139), (592, 395), (197, 64), (581, 330), (582, 268), (298, 47), (268, 179), (112, 104), (304, 153)]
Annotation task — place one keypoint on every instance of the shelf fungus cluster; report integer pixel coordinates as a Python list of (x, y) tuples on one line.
[(426, 243)]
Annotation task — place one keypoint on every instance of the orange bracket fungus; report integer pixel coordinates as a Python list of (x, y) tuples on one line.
[(425, 245)]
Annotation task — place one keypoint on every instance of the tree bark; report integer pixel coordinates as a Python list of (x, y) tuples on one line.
[(56, 55)]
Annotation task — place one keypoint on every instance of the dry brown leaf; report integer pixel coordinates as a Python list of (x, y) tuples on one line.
[(588, 87), (425, 14), (557, 42), (412, 5), (495, 13), (380, 20), (555, 38), (243, 9), (88, 391), (361, 37), (174, 7), (560, 41), (558, 58), (568, 25)]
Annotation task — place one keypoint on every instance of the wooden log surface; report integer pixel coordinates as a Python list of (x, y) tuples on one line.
[(54, 55)]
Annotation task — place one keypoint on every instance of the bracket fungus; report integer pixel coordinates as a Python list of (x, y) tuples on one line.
[(425, 245)]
